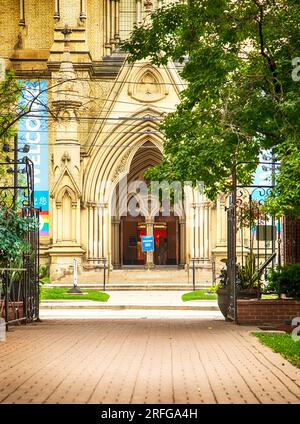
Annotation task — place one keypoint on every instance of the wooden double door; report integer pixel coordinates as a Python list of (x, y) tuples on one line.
[(166, 240)]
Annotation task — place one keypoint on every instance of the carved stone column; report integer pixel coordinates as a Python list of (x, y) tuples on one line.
[(77, 229), (117, 21), (182, 238), (54, 222), (116, 242), (95, 232), (22, 13), (201, 235), (108, 14), (189, 219), (66, 153), (90, 231), (99, 233), (112, 23), (206, 230), (82, 9), (103, 230), (219, 251), (221, 221), (56, 10), (197, 224), (138, 11), (74, 223), (149, 255), (192, 231), (59, 221)]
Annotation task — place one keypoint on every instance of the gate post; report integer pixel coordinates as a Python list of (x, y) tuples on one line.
[(231, 247)]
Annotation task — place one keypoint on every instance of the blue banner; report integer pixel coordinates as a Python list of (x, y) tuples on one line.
[(33, 130)]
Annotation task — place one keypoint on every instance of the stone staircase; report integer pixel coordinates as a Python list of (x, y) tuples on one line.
[(164, 278)]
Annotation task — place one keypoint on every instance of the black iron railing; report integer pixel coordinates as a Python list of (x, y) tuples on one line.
[(19, 286), (253, 238)]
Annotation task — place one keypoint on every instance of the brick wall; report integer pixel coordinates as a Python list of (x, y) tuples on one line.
[(291, 240), (258, 312), (9, 24)]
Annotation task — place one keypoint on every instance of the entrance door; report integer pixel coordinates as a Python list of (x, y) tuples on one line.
[(132, 230), (166, 240), (161, 243)]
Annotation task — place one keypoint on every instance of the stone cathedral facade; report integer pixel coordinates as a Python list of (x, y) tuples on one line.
[(103, 116)]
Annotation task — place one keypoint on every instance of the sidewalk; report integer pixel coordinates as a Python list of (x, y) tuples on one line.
[(160, 300), (186, 361)]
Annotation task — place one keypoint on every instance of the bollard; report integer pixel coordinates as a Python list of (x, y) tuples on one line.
[(75, 289)]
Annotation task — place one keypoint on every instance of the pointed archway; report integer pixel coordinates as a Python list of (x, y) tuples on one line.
[(138, 218)]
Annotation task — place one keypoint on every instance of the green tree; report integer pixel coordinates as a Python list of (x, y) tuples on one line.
[(240, 98), (10, 91), (14, 229)]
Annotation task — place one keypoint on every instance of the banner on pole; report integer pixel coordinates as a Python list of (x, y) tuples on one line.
[(33, 130)]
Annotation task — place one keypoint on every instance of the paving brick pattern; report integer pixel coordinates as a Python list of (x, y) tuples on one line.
[(142, 361)]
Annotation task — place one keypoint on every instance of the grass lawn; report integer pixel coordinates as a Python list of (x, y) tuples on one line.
[(199, 295), (270, 296), (283, 344), (46, 280), (61, 293)]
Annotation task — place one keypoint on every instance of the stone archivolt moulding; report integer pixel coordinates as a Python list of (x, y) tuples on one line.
[(148, 86)]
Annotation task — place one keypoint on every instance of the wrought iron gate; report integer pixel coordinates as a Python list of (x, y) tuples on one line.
[(19, 286), (253, 240)]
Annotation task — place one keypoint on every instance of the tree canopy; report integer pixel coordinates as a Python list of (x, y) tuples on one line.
[(10, 91), (240, 97)]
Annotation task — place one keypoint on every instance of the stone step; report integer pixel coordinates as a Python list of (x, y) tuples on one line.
[(126, 278), (135, 286), (46, 305)]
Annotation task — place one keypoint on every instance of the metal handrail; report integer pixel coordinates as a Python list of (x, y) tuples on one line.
[(265, 264)]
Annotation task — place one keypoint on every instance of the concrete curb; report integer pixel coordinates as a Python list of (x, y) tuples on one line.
[(130, 287), (139, 307)]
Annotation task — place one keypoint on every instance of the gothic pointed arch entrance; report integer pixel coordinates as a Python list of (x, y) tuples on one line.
[(139, 220)]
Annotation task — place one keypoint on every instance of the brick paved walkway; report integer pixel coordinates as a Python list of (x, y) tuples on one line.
[(142, 361)]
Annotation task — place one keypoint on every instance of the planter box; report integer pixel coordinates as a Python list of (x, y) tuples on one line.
[(18, 309), (223, 301), (267, 311)]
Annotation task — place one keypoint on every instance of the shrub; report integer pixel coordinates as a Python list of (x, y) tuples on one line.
[(14, 229), (247, 275), (285, 280)]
